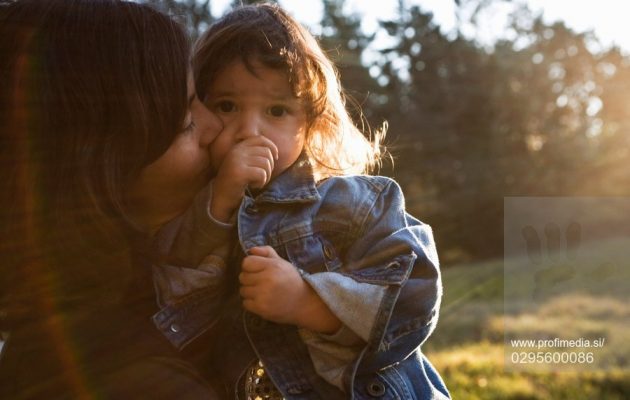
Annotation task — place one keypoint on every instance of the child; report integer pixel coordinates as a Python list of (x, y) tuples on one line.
[(338, 285)]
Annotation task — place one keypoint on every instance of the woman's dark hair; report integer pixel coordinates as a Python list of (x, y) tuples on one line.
[(91, 92)]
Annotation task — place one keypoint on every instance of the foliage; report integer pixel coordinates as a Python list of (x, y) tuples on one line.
[(196, 15)]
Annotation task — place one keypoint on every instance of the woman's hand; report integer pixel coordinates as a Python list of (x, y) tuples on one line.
[(249, 163), (272, 288)]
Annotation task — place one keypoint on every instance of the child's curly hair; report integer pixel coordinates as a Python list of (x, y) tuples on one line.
[(267, 34)]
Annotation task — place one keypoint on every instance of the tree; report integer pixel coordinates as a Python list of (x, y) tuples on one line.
[(196, 15), (537, 115), (237, 3), (345, 43)]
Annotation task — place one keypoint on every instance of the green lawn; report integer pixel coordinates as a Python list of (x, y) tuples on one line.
[(468, 345)]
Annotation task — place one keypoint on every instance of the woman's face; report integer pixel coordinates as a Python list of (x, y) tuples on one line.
[(166, 187)]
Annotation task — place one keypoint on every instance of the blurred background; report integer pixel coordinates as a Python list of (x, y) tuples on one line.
[(487, 99)]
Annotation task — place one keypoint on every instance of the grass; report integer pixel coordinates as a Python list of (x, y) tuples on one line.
[(476, 371), (468, 345)]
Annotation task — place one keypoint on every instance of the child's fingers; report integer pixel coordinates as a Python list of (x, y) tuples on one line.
[(257, 177), (268, 149), (251, 162), (255, 147), (247, 292), (263, 251), (265, 142), (254, 171), (249, 305), (248, 278), (247, 154), (274, 149), (253, 264), (261, 162), (256, 166)]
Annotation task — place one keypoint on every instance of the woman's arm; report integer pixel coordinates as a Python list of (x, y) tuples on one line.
[(199, 234), (190, 278)]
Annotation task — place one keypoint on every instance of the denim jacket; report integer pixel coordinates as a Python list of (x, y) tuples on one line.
[(373, 264)]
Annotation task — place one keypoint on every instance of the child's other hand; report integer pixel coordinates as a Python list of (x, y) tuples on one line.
[(272, 288), (249, 163)]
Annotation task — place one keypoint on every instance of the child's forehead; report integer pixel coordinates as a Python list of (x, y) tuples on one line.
[(241, 77)]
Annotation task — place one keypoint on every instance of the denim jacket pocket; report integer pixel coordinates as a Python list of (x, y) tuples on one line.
[(313, 254), (394, 271), (332, 261), (189, 317), (306, 253)]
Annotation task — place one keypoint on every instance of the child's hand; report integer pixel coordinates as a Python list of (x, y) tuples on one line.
[(249, 163), (272, 288), (270, 285)]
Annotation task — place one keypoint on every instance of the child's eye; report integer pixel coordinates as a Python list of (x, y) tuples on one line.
[(278, 111), (225, 106)]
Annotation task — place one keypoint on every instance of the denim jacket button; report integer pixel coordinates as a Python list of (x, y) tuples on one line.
[(174, 328), (376, 388)]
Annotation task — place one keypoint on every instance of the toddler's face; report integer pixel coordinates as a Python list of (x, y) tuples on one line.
[(260, 104)]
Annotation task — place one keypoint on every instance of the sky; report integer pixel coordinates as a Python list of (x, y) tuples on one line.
[(607, 18)]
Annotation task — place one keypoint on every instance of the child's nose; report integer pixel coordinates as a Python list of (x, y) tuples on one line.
[(250, 126)]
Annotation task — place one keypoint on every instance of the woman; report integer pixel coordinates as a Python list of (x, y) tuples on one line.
[(102, 142)]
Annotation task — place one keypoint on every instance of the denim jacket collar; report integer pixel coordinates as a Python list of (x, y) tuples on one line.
[(295, 185)]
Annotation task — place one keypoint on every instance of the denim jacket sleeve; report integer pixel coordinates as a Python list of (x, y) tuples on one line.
[(199, 234), (394, 263), (190, 278)]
